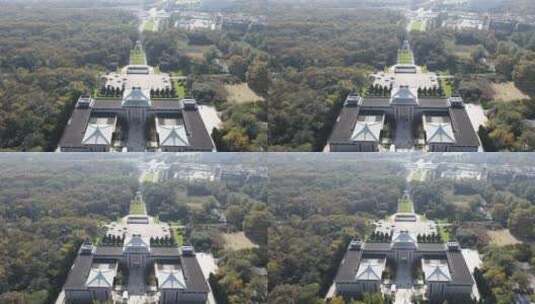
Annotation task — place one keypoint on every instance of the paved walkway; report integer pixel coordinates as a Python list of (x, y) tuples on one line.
[(61, 297), (136, 137), (136, 282), (473, 260), (331, 293), (403, 296), (403, 136), (137, 300), (209, 117), (403, 276), (208, 266), (477, 116)]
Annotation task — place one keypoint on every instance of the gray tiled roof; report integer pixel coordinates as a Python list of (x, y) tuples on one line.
[(166, 104), (460, 274), (107, 104), (404, 96), (348, 267), (345, 124), (164, 252), (198, 137), (431, 248), (434, 103), (376, 102), (79, 272), (108, 251), (376, 247), (98, 134), (192, 272), (175, 137), (75, 128), (465, 134), (136, 97)]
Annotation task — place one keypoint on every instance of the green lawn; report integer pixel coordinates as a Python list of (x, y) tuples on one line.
[(137, 208), (149, 26), (149, 177), (180, 89), (179, 238), (405, 206), (446, 86), (404, 57), (418, 26), (137, 57), (444, 233)]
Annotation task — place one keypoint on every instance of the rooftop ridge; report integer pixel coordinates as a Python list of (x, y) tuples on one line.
[(97, 134)]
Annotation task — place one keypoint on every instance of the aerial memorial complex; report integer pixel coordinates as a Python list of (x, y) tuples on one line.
[(135, 123), (405, 257), (137, 261), (136, 110), (405, 109)]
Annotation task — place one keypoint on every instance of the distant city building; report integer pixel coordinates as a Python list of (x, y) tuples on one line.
[(463, 174), (138, 114), (194, 21), (506, 24), (136, 262), (243, 22), (466, 22), (503, 25), (507, 175), (242, 174), (186, 4), (227, 173)]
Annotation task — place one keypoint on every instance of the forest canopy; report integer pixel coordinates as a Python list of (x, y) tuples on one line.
[(318, 207), (318, 57), (48, 58), (48, 209)]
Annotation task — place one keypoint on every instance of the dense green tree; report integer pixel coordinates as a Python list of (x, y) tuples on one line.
[(244, 128), (256, 224), (46, 65), (507, 129), (48, 207), (429, 49), (524, 76), (258, 77), (505, 66), (500, 213), (162, 50), (161, 199), (239, 281), (238, 67), (521, 222), (235, 216)]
